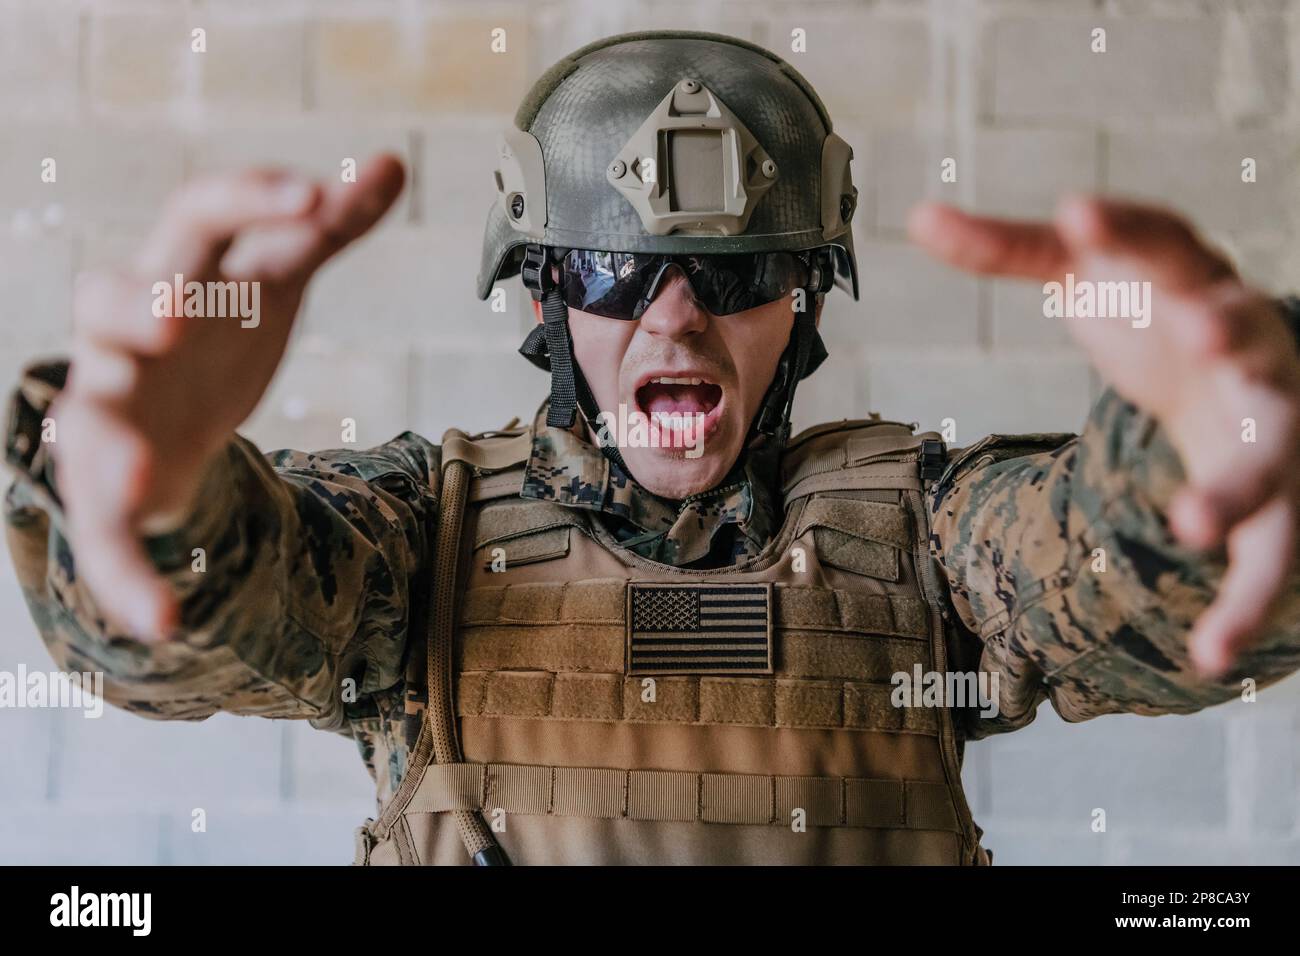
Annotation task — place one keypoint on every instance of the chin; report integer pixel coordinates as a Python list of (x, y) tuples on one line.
[(668, 473)]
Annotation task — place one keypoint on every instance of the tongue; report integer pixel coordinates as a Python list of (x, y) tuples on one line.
[(658, 399)]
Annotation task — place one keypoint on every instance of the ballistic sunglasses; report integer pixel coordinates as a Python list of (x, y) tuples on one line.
[(621, 285)]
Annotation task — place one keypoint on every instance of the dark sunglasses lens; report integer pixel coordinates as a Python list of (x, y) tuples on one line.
[(608, 284), (726, 285), (613, 284)]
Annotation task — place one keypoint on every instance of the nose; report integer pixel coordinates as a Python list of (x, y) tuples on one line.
[(674, 312)]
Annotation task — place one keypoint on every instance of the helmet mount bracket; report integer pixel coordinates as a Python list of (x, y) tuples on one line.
[(692, 167)]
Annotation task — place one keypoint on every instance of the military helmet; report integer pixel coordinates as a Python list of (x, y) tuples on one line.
[(673, 143)]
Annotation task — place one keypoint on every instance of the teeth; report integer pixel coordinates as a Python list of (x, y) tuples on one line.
[(669, 380), (676, 420)]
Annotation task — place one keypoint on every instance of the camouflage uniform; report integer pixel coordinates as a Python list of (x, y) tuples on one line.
[(315, 560)]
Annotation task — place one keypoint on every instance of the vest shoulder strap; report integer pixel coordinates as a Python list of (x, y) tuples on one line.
[(496, 463), (994, 448), (488, 452), (496, 459), (860, 455)]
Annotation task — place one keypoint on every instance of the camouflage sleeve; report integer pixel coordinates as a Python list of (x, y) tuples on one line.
[(1062, 566), (294, 573)]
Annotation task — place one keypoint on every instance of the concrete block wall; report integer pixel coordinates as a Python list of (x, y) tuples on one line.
[(393, 337)]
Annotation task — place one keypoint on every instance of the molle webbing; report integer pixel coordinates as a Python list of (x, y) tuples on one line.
[(507, 519), (602, 601), (527, 549), (554, 682), (694, 700), (871, 520), (667, 795), (821, 461), (819, 455), (506, 483), (839, 650), (525, 531), (861, 536), (867, 534)]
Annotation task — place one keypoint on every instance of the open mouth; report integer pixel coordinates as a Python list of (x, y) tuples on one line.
[(683, 404), (665, 395)]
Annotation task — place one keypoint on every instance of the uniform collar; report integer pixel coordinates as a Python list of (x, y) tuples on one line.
[(717, 528)]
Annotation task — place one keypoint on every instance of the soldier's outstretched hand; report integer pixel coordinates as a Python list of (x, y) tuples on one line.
[(1209, 357), (157, 384)]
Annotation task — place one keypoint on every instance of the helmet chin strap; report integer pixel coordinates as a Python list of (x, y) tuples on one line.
[(802, 356), (549, 346)]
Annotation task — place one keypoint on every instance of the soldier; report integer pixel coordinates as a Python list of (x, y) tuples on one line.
[(553, 647)]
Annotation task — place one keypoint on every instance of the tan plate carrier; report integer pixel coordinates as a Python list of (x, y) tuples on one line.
[(538, 737)]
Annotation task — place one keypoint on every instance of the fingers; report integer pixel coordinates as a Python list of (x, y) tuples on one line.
[(293, 251), (1201, 518), (1231, 475), (1260, 552), (1219, 321), (134, 312), (122, 312), (306, 225), (351, 209), (102, 374), (982, 244), (1202, 515), (1249, 328), (347, 211), (102, 467), (1168, 248), (1166, 245), (124, 584), (203, 218)]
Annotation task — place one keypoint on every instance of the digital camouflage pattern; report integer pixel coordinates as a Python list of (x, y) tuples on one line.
[(714, 529), (313, 560), (1062, 563)]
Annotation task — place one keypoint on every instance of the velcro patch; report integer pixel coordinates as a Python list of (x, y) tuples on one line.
[(699, 628)]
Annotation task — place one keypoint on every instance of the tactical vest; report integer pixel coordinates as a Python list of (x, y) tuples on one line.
[(601, 708)]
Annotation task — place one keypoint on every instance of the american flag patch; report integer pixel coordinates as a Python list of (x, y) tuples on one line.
[(699, 629)]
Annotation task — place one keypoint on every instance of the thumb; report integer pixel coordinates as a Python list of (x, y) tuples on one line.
[(350, 210), (124, 583), (1260, 555), (296, 249), (103, 472), (989, 246)]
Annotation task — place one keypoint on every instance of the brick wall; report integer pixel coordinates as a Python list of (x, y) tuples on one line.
[(393, 336)]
